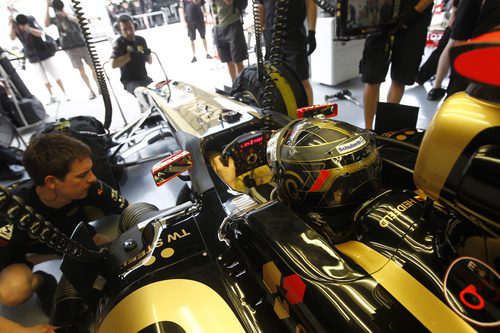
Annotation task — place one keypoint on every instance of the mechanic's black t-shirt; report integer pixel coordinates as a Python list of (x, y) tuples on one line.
[(193, 11), (296, 14), (100, 196), (135, 69)]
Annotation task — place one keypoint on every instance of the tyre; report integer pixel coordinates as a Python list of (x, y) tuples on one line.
[(285, 84)]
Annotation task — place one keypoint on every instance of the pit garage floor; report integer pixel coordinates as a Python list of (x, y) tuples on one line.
[(173, 48)]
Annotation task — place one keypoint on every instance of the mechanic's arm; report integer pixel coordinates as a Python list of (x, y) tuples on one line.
[(120, 61), (227, 173), (12, 28), (120, 57), (73, 18), (105, 198), (34, 31), (182, 12), (47, 20), (8, 326), (312, 14), (147, 53), (422, 5)]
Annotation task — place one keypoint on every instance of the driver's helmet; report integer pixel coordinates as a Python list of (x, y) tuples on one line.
[(322, 163)]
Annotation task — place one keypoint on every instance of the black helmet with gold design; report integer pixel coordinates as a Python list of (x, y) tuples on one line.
[(322, 163)]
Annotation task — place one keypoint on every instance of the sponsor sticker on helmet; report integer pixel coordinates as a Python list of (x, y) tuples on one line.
[(351, 145)]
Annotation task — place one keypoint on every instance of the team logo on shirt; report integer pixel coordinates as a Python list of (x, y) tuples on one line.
[(6, 234)]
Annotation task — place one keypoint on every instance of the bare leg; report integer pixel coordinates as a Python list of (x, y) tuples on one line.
[(396, 92), (370, 98), (309, 91), (193, 48), (239, 67), (205, 45), (60, 84), (85, 78), (95, 76), (443, 64), (232, 70), (49, 88)]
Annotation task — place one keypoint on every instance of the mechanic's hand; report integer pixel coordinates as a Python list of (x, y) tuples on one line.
[(311, 42), (408, 19), (24, 27), (133, 52), (227, 173)]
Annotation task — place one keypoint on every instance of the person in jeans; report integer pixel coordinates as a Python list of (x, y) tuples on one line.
[(71, 40), (228, 36)]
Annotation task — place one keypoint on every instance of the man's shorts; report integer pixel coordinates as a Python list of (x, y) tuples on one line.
[(130, 86), (196, 25), (230, 42), (77, 54), (47, 66), (407, 49)]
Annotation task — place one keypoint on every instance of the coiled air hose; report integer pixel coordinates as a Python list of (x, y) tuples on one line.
[(101, 80), (258, 39), (14, 211), (276, 53), (327, 6)]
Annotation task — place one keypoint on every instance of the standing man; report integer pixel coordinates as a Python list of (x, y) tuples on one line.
[(402, 48), (63, 190), (297, 44), (130, 54), (193, 12), (228, 36), (38, 52), (71, 41)]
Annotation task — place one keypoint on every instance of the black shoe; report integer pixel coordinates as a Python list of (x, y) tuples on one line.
[(435, 94), (209, 56), (194, 59), (46, 291)]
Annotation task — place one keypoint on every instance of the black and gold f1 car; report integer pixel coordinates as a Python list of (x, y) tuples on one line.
[(228, 258), (415, 258)]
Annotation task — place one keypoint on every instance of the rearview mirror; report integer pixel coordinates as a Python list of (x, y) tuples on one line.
[(171, 167), (318, 111)]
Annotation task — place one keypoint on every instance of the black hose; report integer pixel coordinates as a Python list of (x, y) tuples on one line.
[(95, 61), (327, 6), (258, 39), (276, 53)]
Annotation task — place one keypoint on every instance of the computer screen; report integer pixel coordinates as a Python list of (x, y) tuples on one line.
[(362, 17)]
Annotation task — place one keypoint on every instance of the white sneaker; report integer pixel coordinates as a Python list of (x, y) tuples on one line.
[(66, 97), (52, 100), (91, 95)]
